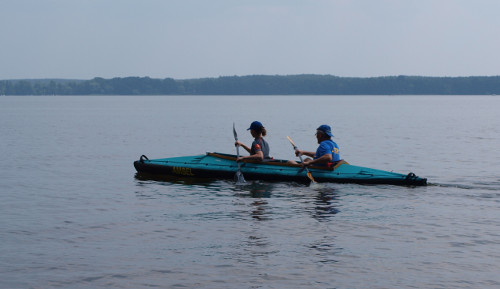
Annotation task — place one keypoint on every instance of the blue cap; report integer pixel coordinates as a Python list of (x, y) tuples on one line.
[(326, 129), (256, 125)]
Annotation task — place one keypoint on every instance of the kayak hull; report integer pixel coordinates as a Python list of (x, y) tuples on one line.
[(224, 166)]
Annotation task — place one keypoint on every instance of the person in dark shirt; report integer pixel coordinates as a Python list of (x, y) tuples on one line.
[(260, 148)]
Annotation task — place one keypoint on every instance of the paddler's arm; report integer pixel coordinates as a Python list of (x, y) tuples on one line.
[(304, 153), (238, 143), (324, 159), (259, 156)]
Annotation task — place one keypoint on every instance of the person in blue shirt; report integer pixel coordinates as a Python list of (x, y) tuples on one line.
[(328, 151), (260, 149)]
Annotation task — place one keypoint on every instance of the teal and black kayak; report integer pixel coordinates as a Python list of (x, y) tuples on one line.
[(224, 166)]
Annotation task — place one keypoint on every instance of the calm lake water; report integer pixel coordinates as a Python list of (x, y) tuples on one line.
[(73, 214)]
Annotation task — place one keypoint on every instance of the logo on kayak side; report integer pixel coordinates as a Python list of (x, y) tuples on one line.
[(182, 171)]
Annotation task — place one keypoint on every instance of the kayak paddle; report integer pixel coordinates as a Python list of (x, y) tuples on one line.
[(239, 176), (309, 175)]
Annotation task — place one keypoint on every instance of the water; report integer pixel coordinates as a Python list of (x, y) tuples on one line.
[(73, 214)]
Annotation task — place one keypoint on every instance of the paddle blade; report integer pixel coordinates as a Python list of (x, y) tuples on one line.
[(309, 175), (238, 178), (234, 133)]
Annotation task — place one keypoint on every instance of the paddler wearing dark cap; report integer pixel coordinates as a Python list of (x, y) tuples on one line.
[(260, 148)]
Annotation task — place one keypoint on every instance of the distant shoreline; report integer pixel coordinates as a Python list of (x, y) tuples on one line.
[(304, 84)]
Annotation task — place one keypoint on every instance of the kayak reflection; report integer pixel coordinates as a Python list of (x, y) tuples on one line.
[(326, 203)]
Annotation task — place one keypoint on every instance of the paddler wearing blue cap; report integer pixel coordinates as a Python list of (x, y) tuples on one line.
[(327, 153), (260, 148)]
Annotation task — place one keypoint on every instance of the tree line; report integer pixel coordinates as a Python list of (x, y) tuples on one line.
[(259, 85)]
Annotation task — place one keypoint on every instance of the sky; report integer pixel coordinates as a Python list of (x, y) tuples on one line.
[(182, 39)]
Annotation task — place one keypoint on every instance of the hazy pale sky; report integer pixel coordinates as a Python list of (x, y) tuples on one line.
[(182, 39)]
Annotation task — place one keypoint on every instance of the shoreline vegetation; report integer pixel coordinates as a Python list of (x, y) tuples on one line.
[(304, 84)]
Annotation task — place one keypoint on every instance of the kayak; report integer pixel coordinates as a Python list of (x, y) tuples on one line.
[(224, 166)]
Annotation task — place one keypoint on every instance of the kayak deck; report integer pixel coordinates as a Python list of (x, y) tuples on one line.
[(224, 166)]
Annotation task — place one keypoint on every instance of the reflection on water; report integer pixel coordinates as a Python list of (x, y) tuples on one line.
[(174, 179), (326, 250), (259, 212), (257, 189), (321, 199), (326, 202)]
